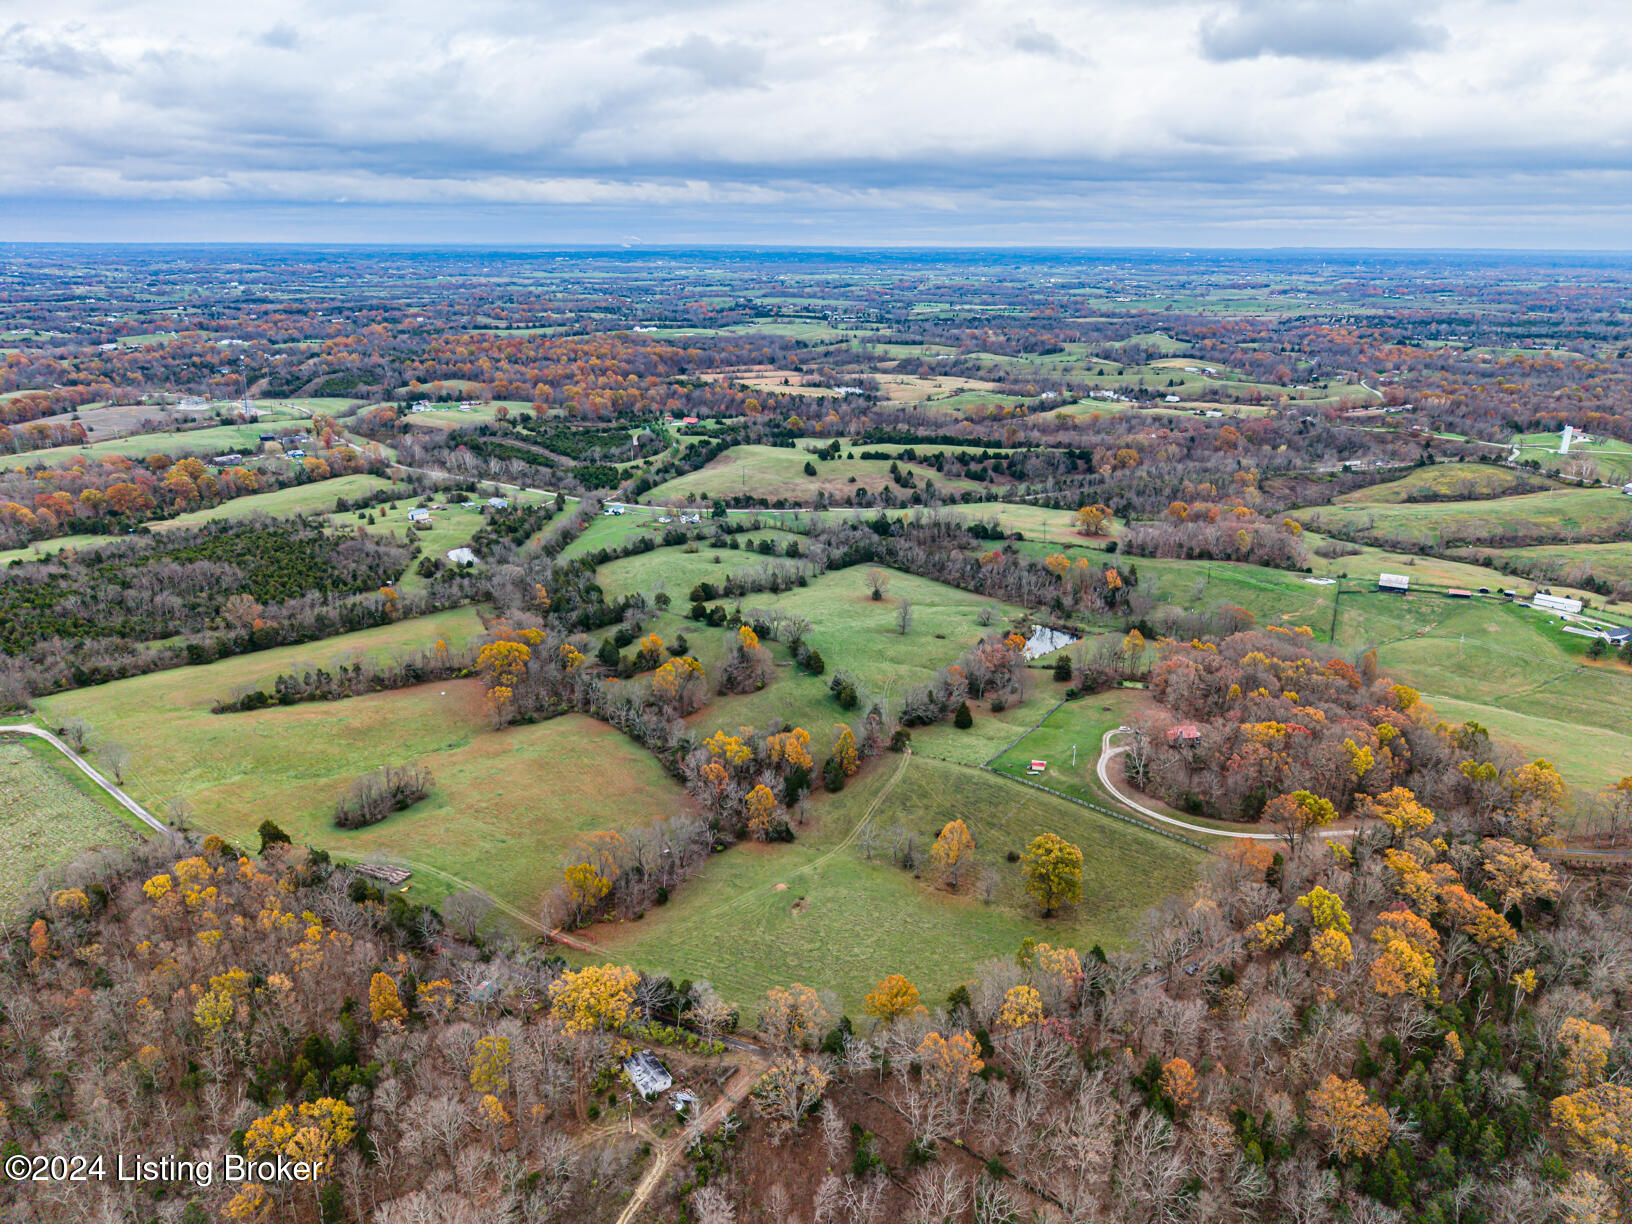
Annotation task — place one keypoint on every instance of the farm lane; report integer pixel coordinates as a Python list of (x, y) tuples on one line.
[(85, 767)]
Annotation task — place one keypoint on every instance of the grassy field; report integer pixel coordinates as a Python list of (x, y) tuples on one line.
[(316, 498), (676, 571), (774, 473), (1612, 562), (505, 805), (1607, 458), (452, 527), (47, 548), (214, 440), (1466, 481), (46, 818), (822, 911), (1509, 668), (1557, 515)]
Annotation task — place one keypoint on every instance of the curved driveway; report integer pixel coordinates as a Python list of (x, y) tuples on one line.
[(1106, 752)]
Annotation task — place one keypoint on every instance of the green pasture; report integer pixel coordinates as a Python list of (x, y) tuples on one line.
[(675, 570), (506, 804), (49, 813), (847, 916), (1611, 458), (777, 473), (1450, 481), (1555, 515)]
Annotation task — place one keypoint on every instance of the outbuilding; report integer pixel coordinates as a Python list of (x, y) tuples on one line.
[(1399, 583), (1561, 604), (647, 1074)]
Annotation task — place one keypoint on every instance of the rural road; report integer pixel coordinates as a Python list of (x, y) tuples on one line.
[(123, 800), (1106, 752), (736, 1091)]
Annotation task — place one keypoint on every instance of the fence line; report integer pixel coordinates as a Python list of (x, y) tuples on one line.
[(1103, 811)]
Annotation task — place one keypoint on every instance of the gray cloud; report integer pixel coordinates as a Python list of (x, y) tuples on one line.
[(281, 37), (1034, 40), (743, 115), (22, 47), (720, 65), (1317, 29)]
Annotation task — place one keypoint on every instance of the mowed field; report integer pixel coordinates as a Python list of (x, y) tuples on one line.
[(1556, 515), (505, 805), (48, 814), (214, 440), (828, 910), (675, 571), (1445, 480), (1608, 458), (1509, 668), (776, 473)]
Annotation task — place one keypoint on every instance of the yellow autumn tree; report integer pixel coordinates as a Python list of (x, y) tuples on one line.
[(1399, 809), (1354, 1127), (311, 1132), (1406, 963), (893, 998), (490, 1064), (594, 998), (948, 1063), (1268, 934), (1052, 869), (1517, 875), (1586, 1051), (1326, 910), (844, 749), (952, 851), (761, 809), (384, 1004), (1596, 1123), (502, 664), (1022, 1005)]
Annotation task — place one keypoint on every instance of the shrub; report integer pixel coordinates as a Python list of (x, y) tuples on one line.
[(833, 775), (963, 719)]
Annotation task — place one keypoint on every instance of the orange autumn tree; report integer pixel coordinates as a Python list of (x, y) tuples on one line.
[(949, 1063), (1353, 1126)]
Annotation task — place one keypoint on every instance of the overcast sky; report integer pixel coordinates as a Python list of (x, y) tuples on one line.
[(1501, 123)]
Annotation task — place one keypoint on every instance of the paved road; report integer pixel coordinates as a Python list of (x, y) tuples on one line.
[(123, 800)]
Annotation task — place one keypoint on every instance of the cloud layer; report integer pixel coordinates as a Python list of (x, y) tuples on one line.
[(1261, 121)]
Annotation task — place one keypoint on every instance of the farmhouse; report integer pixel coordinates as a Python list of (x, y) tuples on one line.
[(419, 515), (1393, 582), (1557, 603), (1184, 733), (646, 1073), (1618, 637)]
